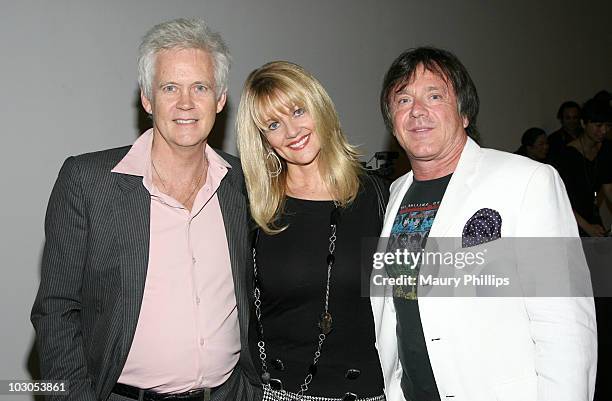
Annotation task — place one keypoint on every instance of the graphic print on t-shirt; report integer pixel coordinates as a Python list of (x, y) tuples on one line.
[(410, 231)]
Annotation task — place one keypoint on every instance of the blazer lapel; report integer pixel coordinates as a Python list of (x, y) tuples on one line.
[(132, 215), (233, 209), (459, 188)]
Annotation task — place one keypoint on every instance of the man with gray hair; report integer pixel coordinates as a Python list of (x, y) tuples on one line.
[(144, 291)]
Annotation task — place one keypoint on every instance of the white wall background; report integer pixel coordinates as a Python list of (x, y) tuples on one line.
[(68, 86)]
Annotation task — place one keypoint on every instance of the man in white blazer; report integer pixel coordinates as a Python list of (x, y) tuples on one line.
[(473, 349)]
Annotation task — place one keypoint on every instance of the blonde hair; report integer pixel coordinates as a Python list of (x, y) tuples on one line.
[(268, 91)]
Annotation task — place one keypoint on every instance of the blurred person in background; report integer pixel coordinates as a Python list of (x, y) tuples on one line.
[(534, 145), (584, 166), (569, 116)]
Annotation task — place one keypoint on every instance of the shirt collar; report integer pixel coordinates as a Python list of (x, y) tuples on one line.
[(137, 161)]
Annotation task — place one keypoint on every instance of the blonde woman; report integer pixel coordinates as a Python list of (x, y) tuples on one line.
[(313, 205)]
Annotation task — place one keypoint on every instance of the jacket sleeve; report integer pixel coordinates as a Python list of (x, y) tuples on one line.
[(56, 314), (563, 327)]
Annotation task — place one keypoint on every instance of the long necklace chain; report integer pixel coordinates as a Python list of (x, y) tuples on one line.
[(195, 186), (325, 324)]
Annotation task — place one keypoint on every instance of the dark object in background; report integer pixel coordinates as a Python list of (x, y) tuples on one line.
[(381, 164), (603, 96)]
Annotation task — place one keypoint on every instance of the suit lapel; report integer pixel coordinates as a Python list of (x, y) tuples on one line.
[(233, 209), (459, 189), (132, 213)]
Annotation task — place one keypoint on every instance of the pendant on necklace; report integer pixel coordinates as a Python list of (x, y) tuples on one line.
[(325, 324)]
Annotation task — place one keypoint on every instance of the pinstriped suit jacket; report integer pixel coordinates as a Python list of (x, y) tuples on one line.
[(94, 268)]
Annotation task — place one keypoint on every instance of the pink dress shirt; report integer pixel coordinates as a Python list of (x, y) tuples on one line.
[(187, 335)]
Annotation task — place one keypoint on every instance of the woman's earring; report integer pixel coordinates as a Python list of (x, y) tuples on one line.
[(277, 161)]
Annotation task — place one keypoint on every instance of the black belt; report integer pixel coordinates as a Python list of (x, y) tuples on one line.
[(202, 394)]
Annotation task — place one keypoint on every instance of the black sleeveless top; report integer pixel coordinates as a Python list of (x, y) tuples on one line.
[(292, 278)]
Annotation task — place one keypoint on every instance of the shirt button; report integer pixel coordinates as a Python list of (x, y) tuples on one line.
[(201, 341), (193, 260), (198, 300)]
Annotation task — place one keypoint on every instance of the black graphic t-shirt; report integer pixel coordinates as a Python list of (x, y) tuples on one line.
[(410, 231)]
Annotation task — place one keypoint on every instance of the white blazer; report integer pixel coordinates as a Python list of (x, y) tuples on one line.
[(485, 349)]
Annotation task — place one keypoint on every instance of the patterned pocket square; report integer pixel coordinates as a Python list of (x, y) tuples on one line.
[(484, 226)]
